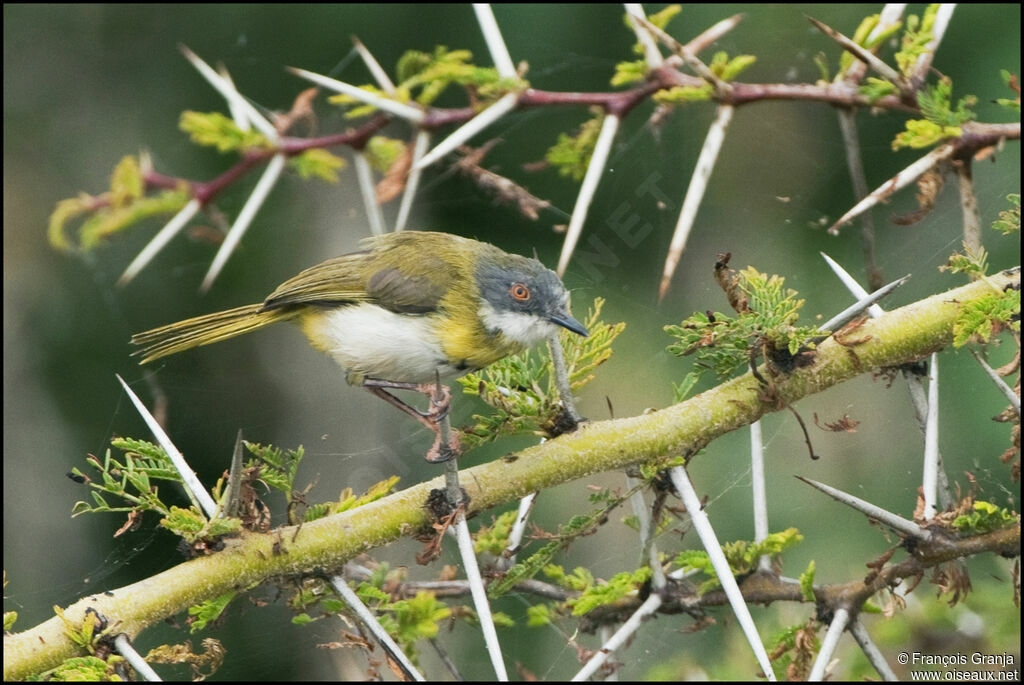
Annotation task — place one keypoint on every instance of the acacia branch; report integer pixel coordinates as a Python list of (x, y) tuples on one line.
[(901, 336)]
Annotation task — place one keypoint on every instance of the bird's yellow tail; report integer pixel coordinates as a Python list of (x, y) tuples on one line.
[(203, 330)]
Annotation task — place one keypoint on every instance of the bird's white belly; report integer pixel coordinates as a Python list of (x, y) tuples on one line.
[(370, 341)]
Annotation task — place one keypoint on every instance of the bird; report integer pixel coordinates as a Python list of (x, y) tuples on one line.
[(404, 311)]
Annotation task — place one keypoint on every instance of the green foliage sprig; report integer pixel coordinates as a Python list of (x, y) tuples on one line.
[(914, 42), (1009, 219), (942, 120), (424, 76), (571, 154), (521, 389), (107, 214), (985, 518), (766, 324), (742, 556), (576, 527), (213, 129), (981, 318), (277, 467), (615, 588), (130, 479), (862, 36)]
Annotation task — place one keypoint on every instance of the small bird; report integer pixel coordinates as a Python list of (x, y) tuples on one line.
[(401, 313)]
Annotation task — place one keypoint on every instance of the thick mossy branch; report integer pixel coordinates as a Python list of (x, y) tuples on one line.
[(901, 336)]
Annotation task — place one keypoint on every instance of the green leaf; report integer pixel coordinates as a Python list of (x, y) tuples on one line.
[(629, 72), (418, 616), (66, 210), (83, 669), (494, 539), (317, 163), (126, 183), (576, 526), (129, 479), (1009, 219), (680, 95), (188, 523), (277, 467), (618, 586), (915, 39), (571, 154), (728, 69), (807, 582), (349, 500), (725, 344), (209, 611), (985, 518), (538, 615), (973, 263), (875, 88), (213, 129), (382, 152), (742, 556), (979, 318)]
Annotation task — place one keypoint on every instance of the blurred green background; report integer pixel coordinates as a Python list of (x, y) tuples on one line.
[(85, 85)]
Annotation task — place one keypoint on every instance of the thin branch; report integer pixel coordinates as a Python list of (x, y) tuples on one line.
[(368, 618), (689, 57), (894, 521), (851, 145), (446, 660), (718, 561), (969, 205), (648, 550), (829, 644), (602, 149), (193, 487), (259, 194), (695, 193)]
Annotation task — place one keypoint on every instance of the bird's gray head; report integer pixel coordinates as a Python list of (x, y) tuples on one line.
[(523, 300)]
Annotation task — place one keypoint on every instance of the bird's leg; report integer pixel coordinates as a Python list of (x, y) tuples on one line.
[(440, 402)]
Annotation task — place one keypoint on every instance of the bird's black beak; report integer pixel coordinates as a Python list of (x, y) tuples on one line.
[(565, 320)]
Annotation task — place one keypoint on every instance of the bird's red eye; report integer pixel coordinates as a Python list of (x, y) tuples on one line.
[(520, 292)]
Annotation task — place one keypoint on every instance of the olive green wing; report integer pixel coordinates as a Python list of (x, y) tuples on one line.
[(399, 278)]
